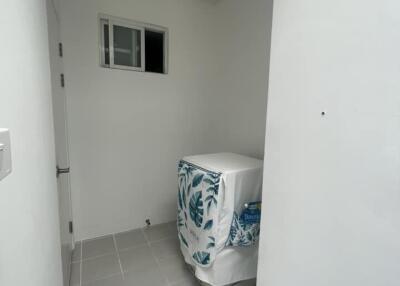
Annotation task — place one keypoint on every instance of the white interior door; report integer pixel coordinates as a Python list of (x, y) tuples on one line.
[(61, 140)]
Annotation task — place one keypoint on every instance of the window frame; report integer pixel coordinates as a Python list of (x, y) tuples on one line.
[(104, 19)]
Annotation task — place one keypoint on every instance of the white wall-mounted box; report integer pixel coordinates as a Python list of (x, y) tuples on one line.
[(5, 153)]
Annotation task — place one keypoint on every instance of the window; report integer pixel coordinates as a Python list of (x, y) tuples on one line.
[(133, 46), (154, 51)]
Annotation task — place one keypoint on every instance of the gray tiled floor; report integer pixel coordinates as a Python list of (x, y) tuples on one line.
[(145, 257)]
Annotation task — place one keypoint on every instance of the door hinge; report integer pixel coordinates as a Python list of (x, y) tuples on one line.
[(71, 227), (60, 171), (62, 80), (60, 50)]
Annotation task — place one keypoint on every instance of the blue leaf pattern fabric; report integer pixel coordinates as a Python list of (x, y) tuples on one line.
[(242, 234), (197, 202), (180, 204), (202, 257), (208, 224), (211, 242), (196, 208), (198, 199), (183, 239), (197, 180)]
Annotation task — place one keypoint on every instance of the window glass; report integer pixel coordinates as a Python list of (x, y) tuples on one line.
[(154, 51), (130, 45), (127, 46), (106, 45)]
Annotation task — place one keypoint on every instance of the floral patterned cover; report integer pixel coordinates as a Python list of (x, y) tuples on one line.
[(242, 233), (198, 202)]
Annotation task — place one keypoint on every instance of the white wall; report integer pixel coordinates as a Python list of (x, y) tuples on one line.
[(129, 129), (331, 196), (242, 42), (29, 240)]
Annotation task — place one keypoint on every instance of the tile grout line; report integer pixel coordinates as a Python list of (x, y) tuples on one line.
[(171, 227), (155, 258), (119, 259), (97, 256), (102, 278), (133, 247), (148, 242)]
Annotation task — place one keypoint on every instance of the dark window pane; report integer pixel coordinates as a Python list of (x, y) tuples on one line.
[(154, 51), (106, 46)]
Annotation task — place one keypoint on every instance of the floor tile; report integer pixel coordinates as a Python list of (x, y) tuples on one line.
[(76, 253), (150, 276), (160, 231), (98, 246), (187, 282), (75, 278), (115, 280), (175, 269), (101, 267), (155, 263), (130, 239), (137, 258), (165, 248)]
